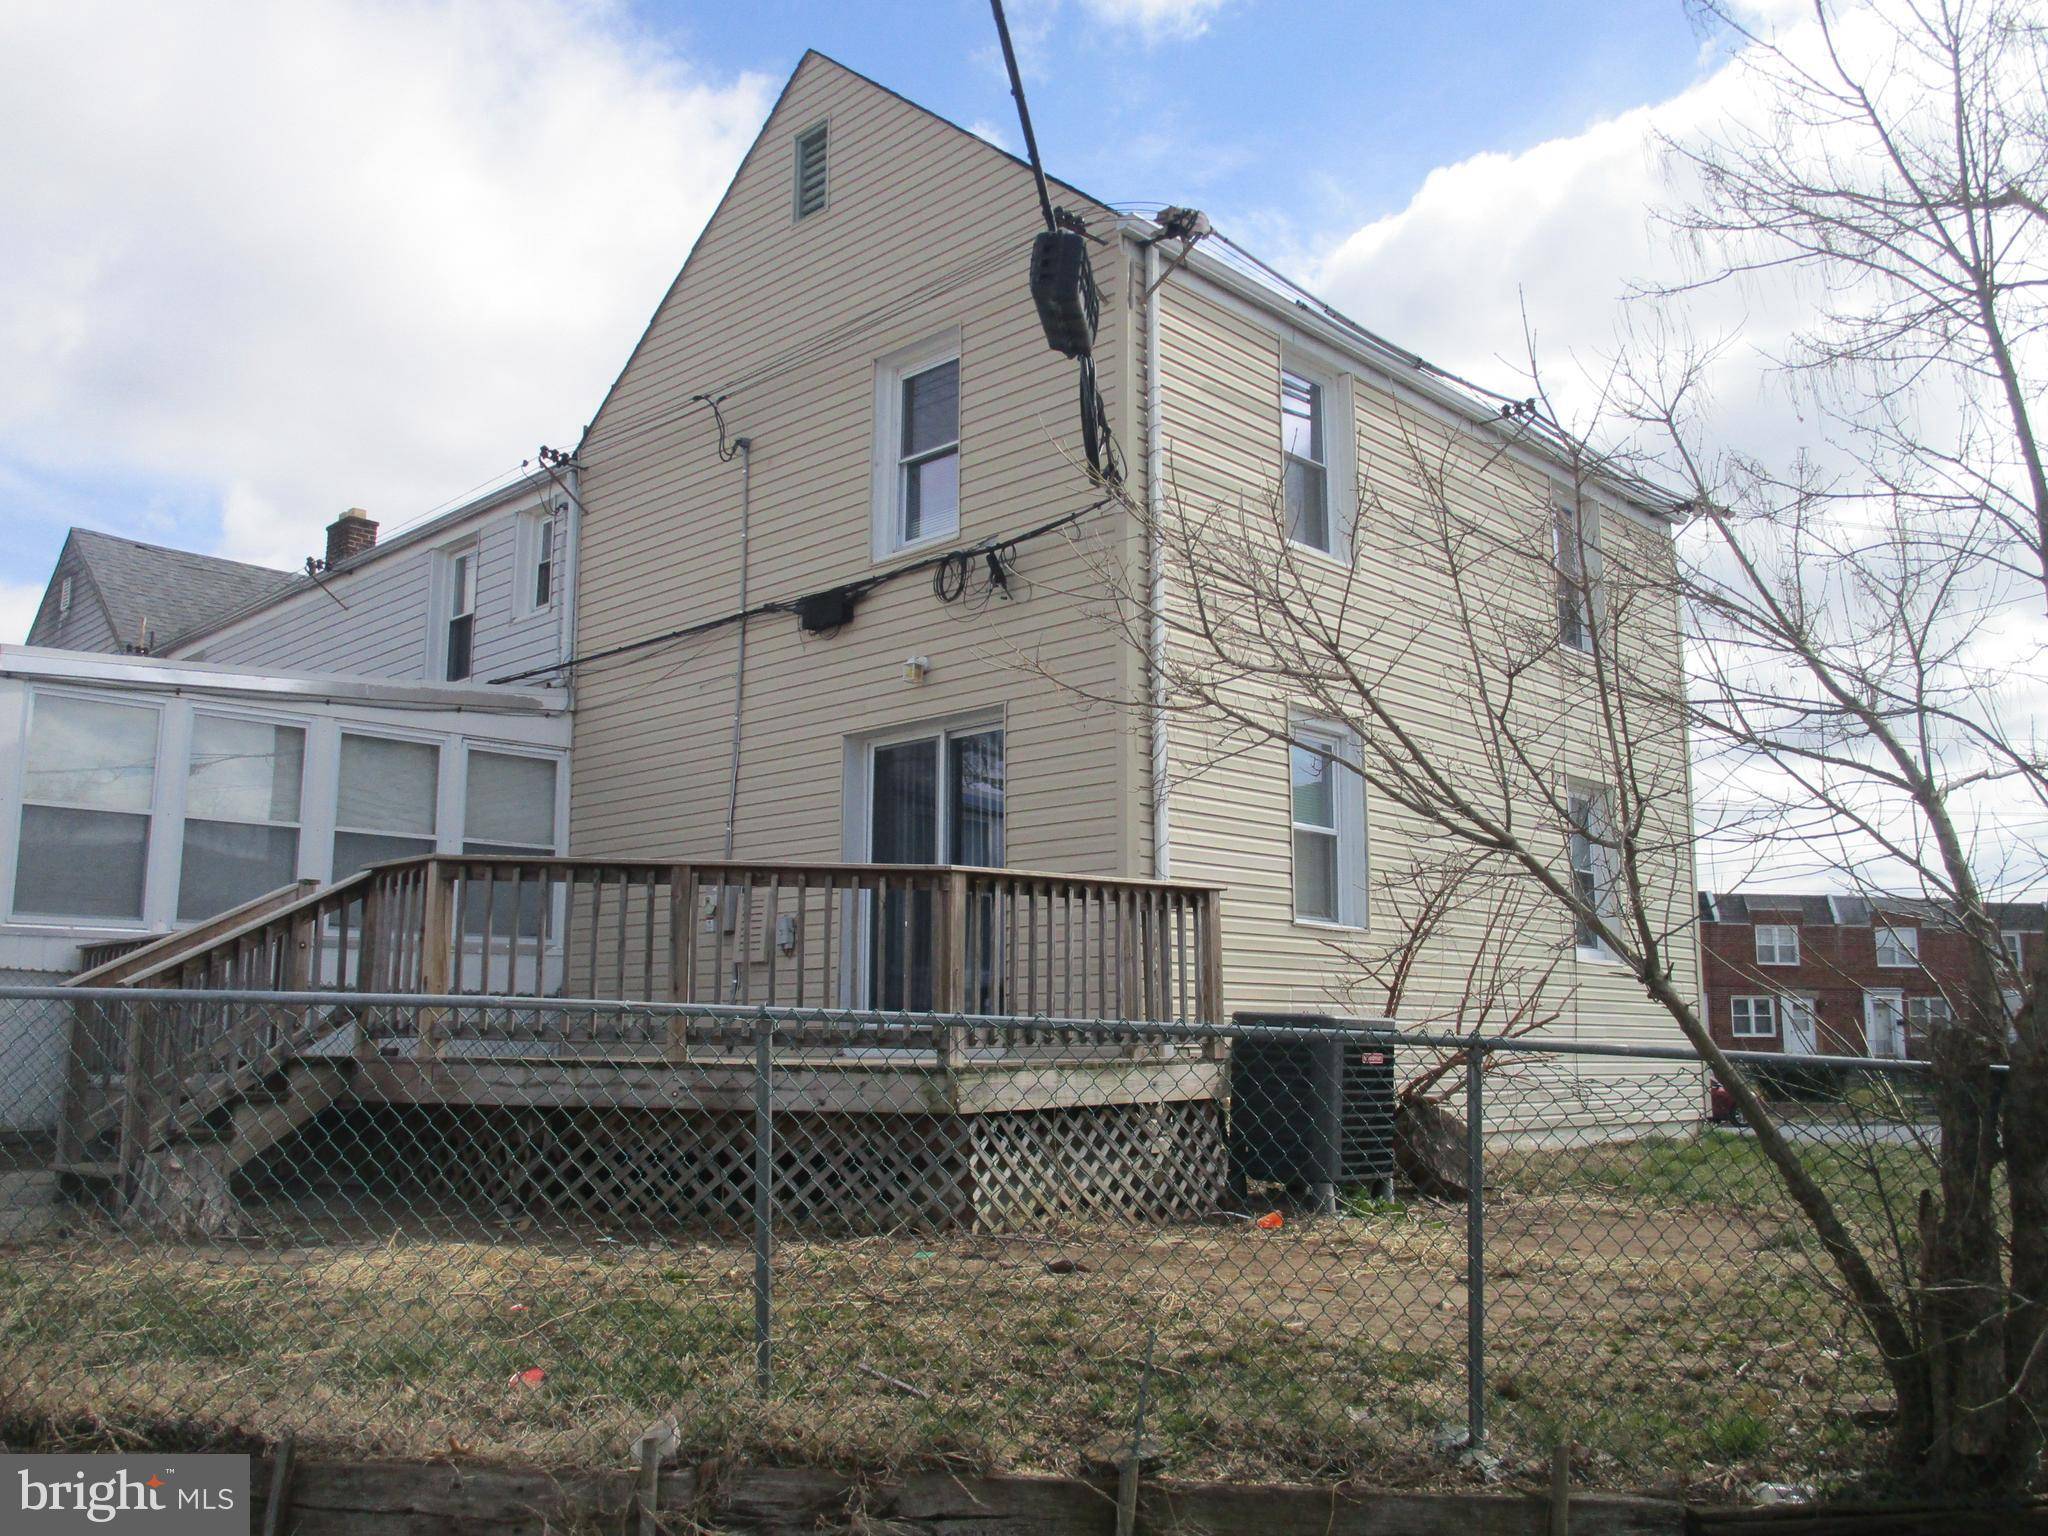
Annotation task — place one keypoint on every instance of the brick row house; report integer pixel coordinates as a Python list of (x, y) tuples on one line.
[(1840, 975)]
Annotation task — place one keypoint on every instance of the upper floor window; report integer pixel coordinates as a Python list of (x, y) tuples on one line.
[(917, 447), (536, 562), (1751, 1018), (1304, 411), (460, 605), (1327, 804), (1591, 848), (1898, 948), (88, 787), (810, 172), (1572, 535), (1777, 944), (2010, 941)]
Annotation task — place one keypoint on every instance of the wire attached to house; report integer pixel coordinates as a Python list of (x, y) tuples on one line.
[(1024, 115), (844, 598)]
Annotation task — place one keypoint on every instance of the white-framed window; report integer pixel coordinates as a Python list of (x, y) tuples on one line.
[(243, 785), (2010, 942), (917, 446), (1590, 842), (457, 603), (1753, 1018), (810, 183), (1315, 454), (1777, 944), (387, 800), (1326, 806), (1574, 526), (1927, 1014), (1897, 948), (537, 585), (509, 807), (1304, 421), (88, 792)]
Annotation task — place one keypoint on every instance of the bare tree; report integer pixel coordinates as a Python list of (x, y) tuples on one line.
[(1864, 625)]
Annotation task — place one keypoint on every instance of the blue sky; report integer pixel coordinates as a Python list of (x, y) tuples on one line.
[(1315, 115), (351, 253)]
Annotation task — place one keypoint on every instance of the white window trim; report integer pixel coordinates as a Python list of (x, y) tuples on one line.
[(1340, 445), (526, 556), (441, 605), (63, 597), (1754, 999), (308, 743), (560, 823), (1909, 940), (449, 787), (1354, 848), (166, 809), (858, 773), (890, 372), (796, 178), (2013, 942), (1780, 929), (1578, 508), (1603, 867)]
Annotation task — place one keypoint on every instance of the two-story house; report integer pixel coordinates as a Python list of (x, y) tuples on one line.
[(1842, 975), (847, 383)]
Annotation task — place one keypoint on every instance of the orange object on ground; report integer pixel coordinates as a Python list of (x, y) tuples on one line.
[(1272, 1221)]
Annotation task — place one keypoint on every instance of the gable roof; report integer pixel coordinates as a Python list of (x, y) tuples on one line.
[(811, 58), (150, 589)]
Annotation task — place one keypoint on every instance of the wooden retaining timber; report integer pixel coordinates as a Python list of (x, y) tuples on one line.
[(405, 1499)]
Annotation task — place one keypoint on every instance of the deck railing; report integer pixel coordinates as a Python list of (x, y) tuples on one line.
[(914, 938)]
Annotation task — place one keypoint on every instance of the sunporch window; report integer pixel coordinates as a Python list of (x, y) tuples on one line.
[(88, 781), (241, 812)]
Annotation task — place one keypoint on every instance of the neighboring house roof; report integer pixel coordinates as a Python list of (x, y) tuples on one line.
[(152, 594), (1852, 911)]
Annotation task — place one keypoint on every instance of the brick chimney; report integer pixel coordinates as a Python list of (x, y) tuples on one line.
[(349, 535)]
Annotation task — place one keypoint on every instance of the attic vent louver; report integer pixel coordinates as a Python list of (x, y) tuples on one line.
[(810, 172)]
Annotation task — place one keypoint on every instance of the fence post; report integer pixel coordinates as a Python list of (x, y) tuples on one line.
[(764, 1203), (1475, 1247)]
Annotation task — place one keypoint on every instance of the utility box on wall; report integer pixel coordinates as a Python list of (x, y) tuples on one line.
[(1312, 1112)]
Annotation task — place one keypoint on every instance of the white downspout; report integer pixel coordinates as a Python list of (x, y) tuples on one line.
[(1155, 555)]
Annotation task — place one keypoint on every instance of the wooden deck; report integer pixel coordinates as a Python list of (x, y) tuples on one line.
[(982, 1033)]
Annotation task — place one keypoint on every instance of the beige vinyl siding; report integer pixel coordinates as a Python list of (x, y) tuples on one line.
[(1230, 808), (912, 201), (387, 627)]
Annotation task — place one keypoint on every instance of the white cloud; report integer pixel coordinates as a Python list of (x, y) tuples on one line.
[(328, 254), (1159, 18), (18, 603)]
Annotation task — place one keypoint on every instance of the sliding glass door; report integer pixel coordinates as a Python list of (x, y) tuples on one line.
[(932, 799)]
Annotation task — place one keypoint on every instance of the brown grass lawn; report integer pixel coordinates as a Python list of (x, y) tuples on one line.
[(1679, 1332)]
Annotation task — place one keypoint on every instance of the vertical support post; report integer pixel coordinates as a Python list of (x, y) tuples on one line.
[(437, 941), (136, 1070), (682, 955), (952, 968), (1210, 984), (764, 1204), (1475, 1247)]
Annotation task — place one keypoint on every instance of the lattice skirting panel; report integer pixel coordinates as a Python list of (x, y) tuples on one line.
[(832, 1172)]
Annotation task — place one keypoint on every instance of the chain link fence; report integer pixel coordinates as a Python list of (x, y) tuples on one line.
[(541, 1230)]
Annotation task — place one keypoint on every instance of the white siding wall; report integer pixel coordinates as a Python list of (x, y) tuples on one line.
[(1230, 806), (911, 200), (387, 628)]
